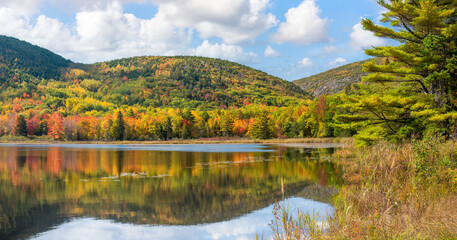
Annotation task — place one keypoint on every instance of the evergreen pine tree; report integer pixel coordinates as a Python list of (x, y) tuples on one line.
[(416, 83), (21, 126), (117, 130), (262, 128), (43, 128), (203, 124), (168, 129), (227, 125)]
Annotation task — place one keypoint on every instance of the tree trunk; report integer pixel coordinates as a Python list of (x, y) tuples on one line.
[(454, 132)]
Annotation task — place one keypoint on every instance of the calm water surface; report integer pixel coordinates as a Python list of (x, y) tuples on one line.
[(157, 192)]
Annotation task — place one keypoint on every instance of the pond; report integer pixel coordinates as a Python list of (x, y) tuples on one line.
[(214, 191)]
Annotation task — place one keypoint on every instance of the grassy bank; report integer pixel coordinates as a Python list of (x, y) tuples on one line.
[(392, 191), (48, 140)]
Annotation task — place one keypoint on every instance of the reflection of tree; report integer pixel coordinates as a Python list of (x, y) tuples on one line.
[(197, 188)]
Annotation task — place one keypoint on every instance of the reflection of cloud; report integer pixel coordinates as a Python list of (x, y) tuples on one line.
[(246, 227)]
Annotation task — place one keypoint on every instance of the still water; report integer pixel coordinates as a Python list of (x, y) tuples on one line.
[(159, 191)]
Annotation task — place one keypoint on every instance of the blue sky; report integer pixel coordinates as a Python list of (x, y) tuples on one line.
[(290, 39)]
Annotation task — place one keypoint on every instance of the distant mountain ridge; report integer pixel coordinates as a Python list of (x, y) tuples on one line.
[(333, 80), (182, 81)]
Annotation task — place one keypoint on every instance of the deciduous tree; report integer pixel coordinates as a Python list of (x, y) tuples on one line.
[(55, 126)]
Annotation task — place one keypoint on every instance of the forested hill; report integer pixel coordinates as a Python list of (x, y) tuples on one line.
[(333, 80), (24, 58), (185, 81), (28, 71)]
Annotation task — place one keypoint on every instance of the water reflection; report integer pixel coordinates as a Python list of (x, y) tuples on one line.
[(245, 227), (43, 186)]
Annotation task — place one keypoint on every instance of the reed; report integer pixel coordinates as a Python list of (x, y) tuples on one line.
[(391, 191)]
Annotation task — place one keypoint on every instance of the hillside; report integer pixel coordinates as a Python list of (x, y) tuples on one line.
[(185, 81), (333, 80), (29, 59), (28, 71)]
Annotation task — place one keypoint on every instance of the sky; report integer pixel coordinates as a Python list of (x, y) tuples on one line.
[(290, 39)]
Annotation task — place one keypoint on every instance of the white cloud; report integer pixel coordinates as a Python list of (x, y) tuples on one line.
[(337, 62), (224, 51), (305, 62), (102, 31), (99, 35), (330, 49), (22, 7), (11, 21), (361, 39), (30, 7), (303, 25), (234, 21), (270, 52)]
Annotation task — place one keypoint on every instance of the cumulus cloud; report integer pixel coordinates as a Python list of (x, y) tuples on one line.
[(30, 7), (361, 39), (303, 25), (337, 62), (305, 62), (98, 35), (103, 31), (234, 21), (22, 7), (46, 32), (270, 52), (224, 51), (330, 49)]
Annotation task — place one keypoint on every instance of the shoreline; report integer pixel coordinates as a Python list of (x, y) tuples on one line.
[(293, 141)]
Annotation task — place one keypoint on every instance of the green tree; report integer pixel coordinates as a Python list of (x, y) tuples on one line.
[(227, 125), (107, 130), (117, 130), (129, 113), (168, 129), (416, 81), (204, 124), (21, 126), (43, 128), (187, 124), (263, 127), (91, 85)]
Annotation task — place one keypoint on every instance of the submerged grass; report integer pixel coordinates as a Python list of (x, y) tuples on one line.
[(391, 191)]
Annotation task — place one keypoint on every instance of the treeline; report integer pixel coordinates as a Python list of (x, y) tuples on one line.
[(313, 119)]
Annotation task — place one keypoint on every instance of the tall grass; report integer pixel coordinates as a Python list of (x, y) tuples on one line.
[(391, 191), (288, 226)]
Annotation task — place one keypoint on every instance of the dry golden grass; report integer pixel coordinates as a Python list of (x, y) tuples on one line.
[(396, 191)]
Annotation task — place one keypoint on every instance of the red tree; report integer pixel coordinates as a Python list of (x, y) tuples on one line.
[(33, 126)]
